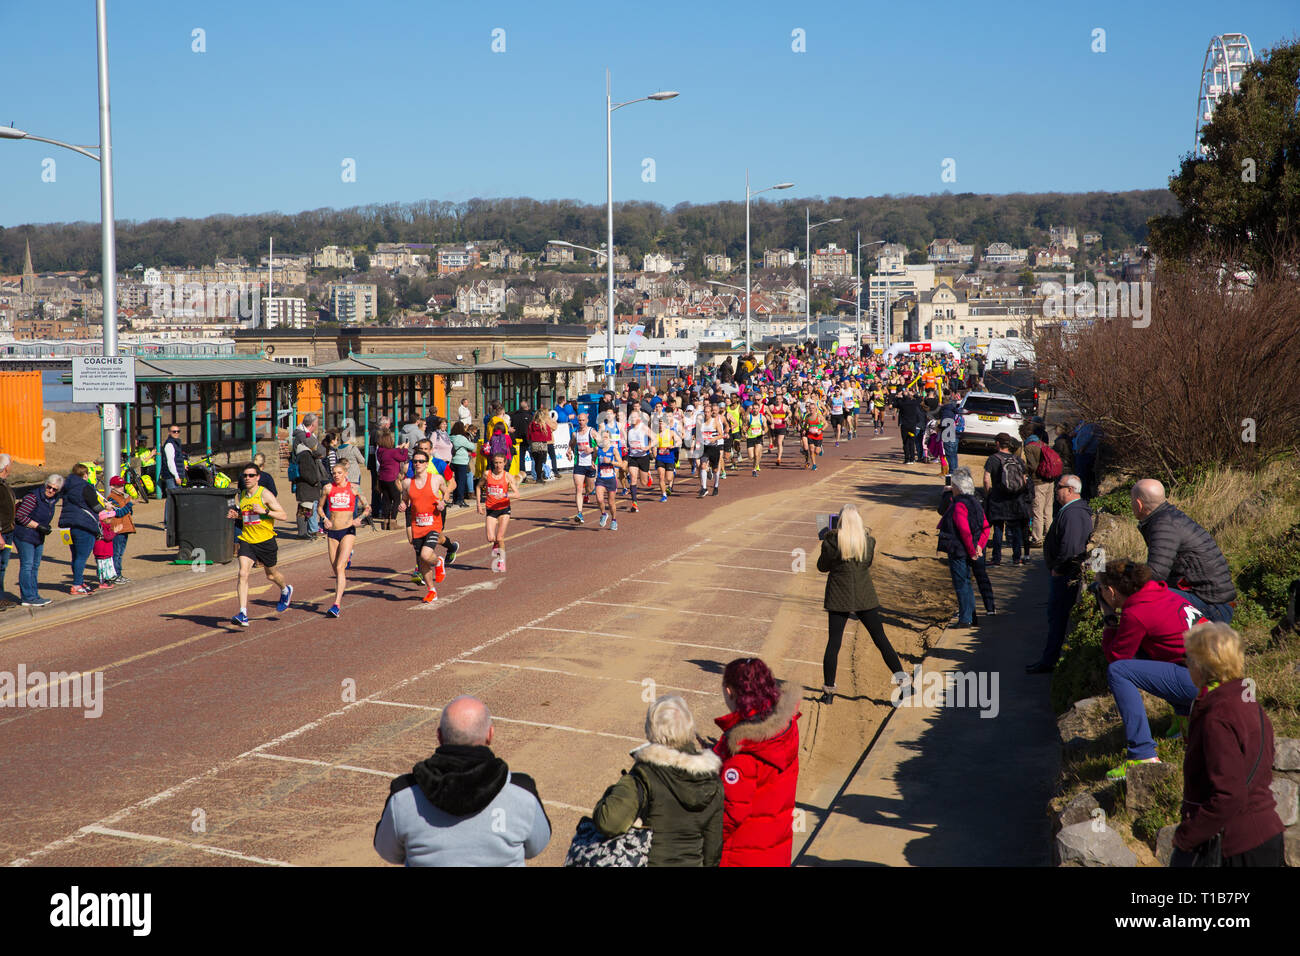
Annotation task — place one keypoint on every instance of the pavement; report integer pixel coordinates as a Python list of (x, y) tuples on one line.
[(274, 745)]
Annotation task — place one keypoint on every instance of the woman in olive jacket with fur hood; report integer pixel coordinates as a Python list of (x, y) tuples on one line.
[(674, 788), (845, 559)]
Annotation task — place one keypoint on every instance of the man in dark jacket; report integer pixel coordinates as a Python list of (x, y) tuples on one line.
[(911, 422), (948, 415), (462, 806), (1064, 549), (520, 419), (1182, 553), (1007, 510), (309, 452)]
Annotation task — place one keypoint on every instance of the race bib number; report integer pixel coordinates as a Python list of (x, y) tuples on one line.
[(495, 494), (340, 502), (423, 521), (607, 471), (252, 517)]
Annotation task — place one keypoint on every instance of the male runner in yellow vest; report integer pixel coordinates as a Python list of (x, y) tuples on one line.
[(256, 512)]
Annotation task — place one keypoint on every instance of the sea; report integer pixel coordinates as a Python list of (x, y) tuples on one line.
[(57, 396)]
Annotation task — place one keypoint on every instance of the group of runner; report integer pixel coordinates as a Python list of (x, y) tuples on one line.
[(717, 424)]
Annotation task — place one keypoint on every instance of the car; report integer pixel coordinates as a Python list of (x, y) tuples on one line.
[(987, 415), (1022, 381)]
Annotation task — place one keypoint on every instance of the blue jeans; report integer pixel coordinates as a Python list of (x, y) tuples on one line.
[(950, 454), (1128, 679), (29, 561), (119, 549), (1062, 593), (960, 567), (4, 564), (1013, 537), (464, 482), (1213, 612), (83, 544)]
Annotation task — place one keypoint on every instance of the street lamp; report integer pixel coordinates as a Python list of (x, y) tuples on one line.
[(748, 257), (810, 226), (745, 289), (111, 437), (610, 106), (862, 246)]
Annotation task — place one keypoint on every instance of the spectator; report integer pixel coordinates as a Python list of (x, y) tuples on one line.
[(539, 437), (1064, 448), (123, 524), (553, 418), (79, 515), (673, 788), (911, 422), (102, 549), (7, 509), (440, 445), (949, 417), (1144, 651), (520, 419), (413, 432), (463, 413), (1063, 551), (350, 455), (32, 519), (463, 447), (1086, 442), (173, 469), (1006, 500), (846, 555), (391, 462), (264, 477), (1227, 771), (462, 806), (309, 453), (963, 534), (759, 748), (1182, 553), (1040, 489)]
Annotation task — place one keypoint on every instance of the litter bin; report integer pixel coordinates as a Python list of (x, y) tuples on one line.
[(197, 520)]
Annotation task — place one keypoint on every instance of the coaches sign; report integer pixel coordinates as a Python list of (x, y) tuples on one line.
[(99, 380)]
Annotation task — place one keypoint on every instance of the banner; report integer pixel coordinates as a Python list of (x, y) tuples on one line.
[(633, 343), (563, 453)]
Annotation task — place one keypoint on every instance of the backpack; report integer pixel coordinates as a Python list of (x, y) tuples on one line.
[(499, 444), (1012, 474), (294, 473), (1049, 465)]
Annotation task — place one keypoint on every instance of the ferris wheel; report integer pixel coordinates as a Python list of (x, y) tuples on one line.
[(1226, 59)]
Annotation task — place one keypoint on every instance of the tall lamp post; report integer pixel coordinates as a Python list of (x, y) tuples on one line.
[(862, 246), (609, 346), (112, 438), (610, 106), (810, 226), (748, 257)]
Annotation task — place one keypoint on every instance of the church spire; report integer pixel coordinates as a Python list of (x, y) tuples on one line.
[(29, 274)]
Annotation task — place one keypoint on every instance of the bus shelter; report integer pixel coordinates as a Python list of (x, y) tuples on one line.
[(510, 380)]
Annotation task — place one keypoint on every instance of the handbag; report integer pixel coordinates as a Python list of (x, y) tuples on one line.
[(1210, 853), (537, 447), (591, 848)]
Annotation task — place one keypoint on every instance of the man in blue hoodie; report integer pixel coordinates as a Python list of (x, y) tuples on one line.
[(462, 806)]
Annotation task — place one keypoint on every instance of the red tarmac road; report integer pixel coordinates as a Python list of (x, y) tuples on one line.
[(275, 744)]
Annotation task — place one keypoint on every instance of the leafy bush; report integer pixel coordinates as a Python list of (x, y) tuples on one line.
[(1115, 502), (1267, 573), (1081, 671)]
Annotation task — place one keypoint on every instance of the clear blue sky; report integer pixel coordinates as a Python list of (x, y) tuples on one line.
[(414, 94)]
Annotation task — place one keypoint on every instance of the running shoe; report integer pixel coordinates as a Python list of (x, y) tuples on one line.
[(39, 602), (814, 467), (78, 589), (663, 497), (613, 525), (430, 597), (704, 493), (502, 564), (837, 444), (439, 571), (285, 597), (241, 619), (579, 519), (755, 472), (333, 611), (635, 509), (586, 499), (453, 549), (715, 490), (604, 519), (105, 585), (1121, 772), (349, 564), (417, 577), (1177, 729)]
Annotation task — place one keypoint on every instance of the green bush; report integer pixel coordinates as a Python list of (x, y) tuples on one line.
[(1081, 671), (1114, 502), (1267, 573)]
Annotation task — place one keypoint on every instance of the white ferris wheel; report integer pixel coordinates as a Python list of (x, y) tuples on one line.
[(1226, 60)]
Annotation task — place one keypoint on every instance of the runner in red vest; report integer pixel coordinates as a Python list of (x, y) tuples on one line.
[(338, 509)]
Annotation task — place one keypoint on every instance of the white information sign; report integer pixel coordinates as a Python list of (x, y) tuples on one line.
[(99, 380), (563, 454)]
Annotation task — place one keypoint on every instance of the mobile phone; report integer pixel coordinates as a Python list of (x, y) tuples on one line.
[(947, 481)]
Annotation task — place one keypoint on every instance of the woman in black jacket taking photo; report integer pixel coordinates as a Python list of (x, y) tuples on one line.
[(847, 552)]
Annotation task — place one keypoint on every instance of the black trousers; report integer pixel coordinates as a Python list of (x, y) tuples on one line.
[(836, 621)]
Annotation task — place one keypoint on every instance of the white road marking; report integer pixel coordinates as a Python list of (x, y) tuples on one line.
[(322, 763), (457, 595), (654, 640), (201, 847), (674, 610), (516, 720), (556, 670), (737, 567)]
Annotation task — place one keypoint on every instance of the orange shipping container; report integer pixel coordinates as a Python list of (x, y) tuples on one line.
[(23, 399)]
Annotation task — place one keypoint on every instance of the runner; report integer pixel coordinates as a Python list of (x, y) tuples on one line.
[(608, 461), (812, 435), (711, 437), (425, 446), (852, 402), (779, 414), (878, 409), (582, 441), (338, 512), (666, 459), (639, 440), (733, 416), (256, 511), (837, 411), (755, 425), (424, 498), (494, 502)]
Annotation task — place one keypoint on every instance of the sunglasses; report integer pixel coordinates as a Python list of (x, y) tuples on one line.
[(50, 488), (252, 474), (421, 461)]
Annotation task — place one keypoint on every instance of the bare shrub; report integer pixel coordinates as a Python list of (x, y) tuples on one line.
[(1213, 370)]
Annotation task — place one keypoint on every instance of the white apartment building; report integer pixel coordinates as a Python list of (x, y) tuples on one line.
[(485, 297), (333, 257), (717, 262), (353, 303), (657, 262), (779, 258), (894, 279), (1001, 253), (832, 263), (289, 312)]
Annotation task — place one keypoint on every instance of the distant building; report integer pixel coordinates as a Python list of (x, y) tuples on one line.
[(287, 312), (557, 255), (779, 258), (657, 262), (832, 263), (1001, 253), (946, 251), (1063, 236), (717, 262), (458, 259), (353, 303), (484, 297), (1091, 238), (333, 257)]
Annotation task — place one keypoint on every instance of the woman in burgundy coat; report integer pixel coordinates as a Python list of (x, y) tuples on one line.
[(1228, 767)]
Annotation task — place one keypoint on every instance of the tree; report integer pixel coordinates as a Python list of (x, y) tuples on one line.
[(1244, 192), (1026, 278), (362, 262)]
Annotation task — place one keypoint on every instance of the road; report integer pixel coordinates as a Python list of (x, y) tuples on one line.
[(275, 745)]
